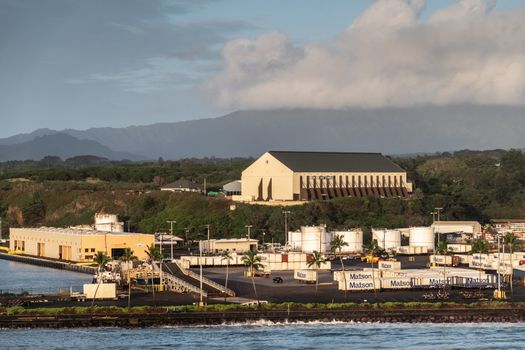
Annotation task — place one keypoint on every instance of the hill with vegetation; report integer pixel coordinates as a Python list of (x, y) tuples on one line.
[(469, 185)]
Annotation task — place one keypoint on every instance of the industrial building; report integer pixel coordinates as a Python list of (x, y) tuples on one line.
[(302, 176), (233, 188), (316, 238), (470, 227), (515, 226), (240, 245), (79, 245)]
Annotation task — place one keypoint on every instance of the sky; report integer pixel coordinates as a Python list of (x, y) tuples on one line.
[(81, 64)]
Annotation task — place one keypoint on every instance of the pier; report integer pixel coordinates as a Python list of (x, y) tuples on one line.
[(61, 265)]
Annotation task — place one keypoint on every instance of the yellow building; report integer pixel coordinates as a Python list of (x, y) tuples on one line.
[(78, 245), (298, 176)]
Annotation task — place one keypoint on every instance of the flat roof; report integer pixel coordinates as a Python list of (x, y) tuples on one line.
[(232, 240), (78, 231), (456, 223)]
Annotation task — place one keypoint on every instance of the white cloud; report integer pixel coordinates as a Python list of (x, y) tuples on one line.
[(465, 53)]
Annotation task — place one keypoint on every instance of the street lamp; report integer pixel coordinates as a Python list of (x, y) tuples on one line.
[(438, 211), (286, 212), (248, 227), (171, 222), (263, 234)]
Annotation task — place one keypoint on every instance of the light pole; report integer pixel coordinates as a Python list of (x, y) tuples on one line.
[(286, 212), (248, 227), (263, 234), (499, 263), (200, 272), (439, 220), (171, 222)]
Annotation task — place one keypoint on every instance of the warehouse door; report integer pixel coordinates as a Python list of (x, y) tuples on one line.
[(117, 252)]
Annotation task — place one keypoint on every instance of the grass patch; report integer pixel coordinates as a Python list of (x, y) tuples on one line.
[(96, 310)]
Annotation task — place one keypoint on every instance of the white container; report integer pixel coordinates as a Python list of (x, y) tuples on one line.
[(365, 284), (459, 248), (441, 259), (104, 291), (387, 239), (353, 239), (313, 238), (396, 283), (305, 275), (389, 265), (422, 237)]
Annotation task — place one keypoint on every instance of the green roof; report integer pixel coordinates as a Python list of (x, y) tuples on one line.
[(337, 162)]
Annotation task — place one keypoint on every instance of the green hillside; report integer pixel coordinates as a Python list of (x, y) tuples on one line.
[(468, 185)]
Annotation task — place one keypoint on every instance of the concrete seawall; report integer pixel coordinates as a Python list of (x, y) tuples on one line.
[(61, 265), (154, 319)]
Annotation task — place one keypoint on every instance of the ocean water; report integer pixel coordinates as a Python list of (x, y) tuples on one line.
[(266, 335), (17, 277)]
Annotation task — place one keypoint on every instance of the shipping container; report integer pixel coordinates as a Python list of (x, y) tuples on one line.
[(389, 265), (102, 290), (396, 283), (308, 276)]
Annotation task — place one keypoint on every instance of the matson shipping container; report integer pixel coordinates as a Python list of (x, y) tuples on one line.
[(450, 260), (389, 265), (411, 250), (460, 248), (365, 284), (396, 283), (307, 276)]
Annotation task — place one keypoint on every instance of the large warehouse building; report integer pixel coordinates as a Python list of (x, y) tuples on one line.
[(78, 245), (299, 176)]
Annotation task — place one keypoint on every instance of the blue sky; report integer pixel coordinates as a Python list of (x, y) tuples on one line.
[(81, 64)]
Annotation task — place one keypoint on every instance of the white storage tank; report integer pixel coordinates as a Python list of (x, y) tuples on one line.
[(294, 240), (422, 237), (387, 239), (354, 239), (313, 238)]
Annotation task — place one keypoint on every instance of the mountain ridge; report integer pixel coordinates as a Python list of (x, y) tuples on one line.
[(422, 129)]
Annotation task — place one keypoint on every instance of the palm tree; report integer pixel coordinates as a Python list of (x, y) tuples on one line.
[(442, 248), (511, 239), (253, 261), (372, 249), (128, 257), (337, 244), (153, 253), (101, 259), (226, 256), (480, 246), (317, 260)]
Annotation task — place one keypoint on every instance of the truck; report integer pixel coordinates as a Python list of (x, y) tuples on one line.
[(370, 258)]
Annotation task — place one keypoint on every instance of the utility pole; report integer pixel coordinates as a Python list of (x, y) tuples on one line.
[(286, 212), (248, 227), (171, 222)]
